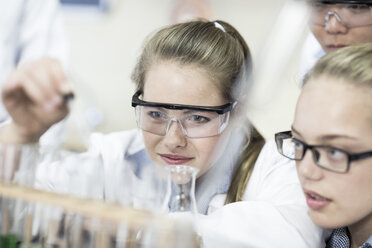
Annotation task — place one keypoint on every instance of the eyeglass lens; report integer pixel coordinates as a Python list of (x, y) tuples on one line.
[(326, 157), (351, 15)]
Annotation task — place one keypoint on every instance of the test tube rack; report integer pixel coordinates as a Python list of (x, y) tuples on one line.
[(157, 230)]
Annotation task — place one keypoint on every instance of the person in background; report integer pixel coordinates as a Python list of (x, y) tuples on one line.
[(191, 87), (331, 144), (335, 24), (30, 29)]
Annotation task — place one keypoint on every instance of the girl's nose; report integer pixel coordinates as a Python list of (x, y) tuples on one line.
[(175, 137), (307, 169)]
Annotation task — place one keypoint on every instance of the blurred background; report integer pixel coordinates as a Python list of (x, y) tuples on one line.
[(105, 38)]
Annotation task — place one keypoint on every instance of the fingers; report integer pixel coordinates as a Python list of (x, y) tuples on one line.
[(42, 82), (45, 78), (34, 97), (60, 79), (32, 90)]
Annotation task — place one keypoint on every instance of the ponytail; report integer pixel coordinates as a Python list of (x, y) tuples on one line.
[(245, 166)]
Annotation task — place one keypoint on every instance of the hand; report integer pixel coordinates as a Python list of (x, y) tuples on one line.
[(33, 96)]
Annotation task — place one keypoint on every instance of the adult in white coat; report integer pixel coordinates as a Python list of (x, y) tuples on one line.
[(333, 25), (191, 81), (30, 29)]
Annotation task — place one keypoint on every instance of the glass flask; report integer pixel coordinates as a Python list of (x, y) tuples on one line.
[(180, 196)]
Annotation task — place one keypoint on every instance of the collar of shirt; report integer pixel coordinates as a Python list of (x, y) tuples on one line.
[(340, 239)]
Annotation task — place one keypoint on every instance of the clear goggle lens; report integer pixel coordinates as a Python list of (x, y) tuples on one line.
[(193, 123), (350, 15)]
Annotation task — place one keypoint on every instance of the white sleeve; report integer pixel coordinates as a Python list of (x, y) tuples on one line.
[(75, 173), (95, 168), (41, 31), (78, 174), (273, 213)]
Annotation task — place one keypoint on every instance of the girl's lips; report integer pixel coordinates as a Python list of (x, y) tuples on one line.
[(335, 47), (175, 159), (316, 201)]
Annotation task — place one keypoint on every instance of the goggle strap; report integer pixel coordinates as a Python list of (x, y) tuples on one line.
[(224, 121)]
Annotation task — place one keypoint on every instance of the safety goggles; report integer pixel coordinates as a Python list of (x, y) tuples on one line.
[(349, 13), (194, 121)]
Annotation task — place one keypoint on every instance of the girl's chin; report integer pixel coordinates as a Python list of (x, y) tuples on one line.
[(326, 221)]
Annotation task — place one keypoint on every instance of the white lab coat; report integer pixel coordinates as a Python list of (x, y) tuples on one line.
[(311, 52), (273, 213), (29, 29), (125, 162)]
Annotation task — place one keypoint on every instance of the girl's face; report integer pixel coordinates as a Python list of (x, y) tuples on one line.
[(333, 113), (169, 82)]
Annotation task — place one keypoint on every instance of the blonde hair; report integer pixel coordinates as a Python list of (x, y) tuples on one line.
[(352, 63), (221, 53), (219, 49)]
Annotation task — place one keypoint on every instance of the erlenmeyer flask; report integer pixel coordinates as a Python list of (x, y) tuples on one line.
[(180, 196), (180, 203)]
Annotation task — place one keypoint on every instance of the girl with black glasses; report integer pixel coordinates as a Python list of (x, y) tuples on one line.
[(330, 141)]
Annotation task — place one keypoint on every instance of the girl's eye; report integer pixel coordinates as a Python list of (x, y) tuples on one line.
[(198, 119), (156, 115), (357, 7), (335, 154), (318, 6), (297, 144)]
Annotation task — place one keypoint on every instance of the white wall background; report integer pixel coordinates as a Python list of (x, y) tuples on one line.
[(104, 48)]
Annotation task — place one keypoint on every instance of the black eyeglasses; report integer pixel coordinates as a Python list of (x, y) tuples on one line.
[(326, 157)]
